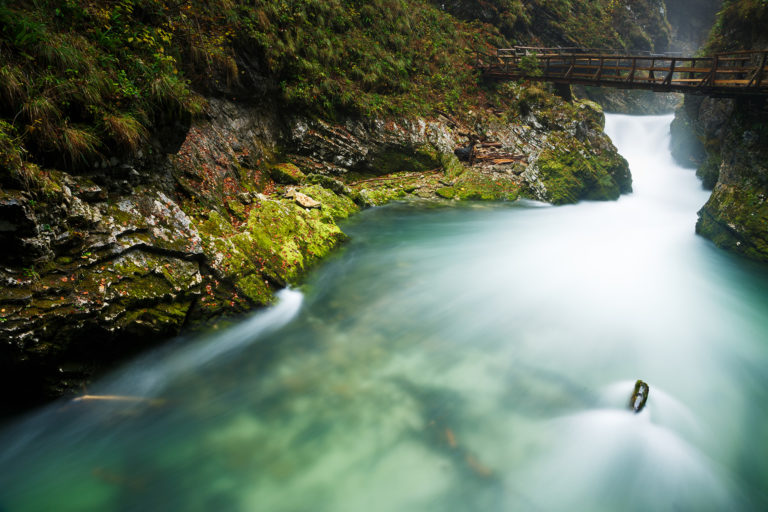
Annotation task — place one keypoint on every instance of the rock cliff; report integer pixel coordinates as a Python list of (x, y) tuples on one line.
[(727, 141)]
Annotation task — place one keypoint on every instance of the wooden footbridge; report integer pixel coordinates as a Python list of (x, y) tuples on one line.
[(722, 74)]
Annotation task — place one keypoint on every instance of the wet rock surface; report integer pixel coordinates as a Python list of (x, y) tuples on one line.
[(728, 142)]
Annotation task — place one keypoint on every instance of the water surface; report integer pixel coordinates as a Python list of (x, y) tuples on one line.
[(450, 359)]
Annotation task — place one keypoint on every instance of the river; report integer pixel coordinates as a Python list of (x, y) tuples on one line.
[(478, 357)]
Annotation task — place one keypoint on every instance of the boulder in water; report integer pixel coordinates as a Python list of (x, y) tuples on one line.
[(639, 396)]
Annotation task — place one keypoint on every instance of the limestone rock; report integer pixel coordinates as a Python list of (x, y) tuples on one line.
[(305, 201)]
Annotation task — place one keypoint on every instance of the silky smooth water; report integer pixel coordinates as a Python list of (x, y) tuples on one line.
[(450, 359)]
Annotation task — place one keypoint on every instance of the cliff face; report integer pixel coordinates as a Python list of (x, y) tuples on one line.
[(727, 141), (691, 22), (151, 203)]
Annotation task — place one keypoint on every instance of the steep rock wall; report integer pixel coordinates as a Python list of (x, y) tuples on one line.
[(727, 141)]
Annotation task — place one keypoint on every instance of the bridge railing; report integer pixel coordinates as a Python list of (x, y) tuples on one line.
[(737, 72)]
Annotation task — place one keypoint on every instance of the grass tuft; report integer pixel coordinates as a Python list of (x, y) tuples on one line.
[(11, 86), (77, 145), (124, 129), (41, 112)]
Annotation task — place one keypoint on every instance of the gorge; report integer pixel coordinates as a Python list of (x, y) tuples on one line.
[(448, 358)]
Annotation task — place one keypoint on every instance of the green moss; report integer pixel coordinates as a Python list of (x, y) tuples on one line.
[(478, 186), (382, 195), (573, 175), (287, 174), (735, 218), (290, 238), (446, 192), (391, 161), (255, 288), (237, 209), (338, 206), (572, 171), (163, 317), (278, 242), (452, 167), (592, 111)]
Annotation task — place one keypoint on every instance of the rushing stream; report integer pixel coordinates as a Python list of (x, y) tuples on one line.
[(476, 358)]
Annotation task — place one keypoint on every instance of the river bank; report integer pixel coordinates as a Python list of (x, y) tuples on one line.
[(102, 264)]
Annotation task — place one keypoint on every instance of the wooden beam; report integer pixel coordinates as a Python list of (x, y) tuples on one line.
[(758, 75)]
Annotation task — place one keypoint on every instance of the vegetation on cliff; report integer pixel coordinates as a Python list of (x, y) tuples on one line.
[(82, 81), (740, 25), (165, 162)]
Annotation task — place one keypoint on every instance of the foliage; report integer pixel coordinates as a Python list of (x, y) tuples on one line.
[(629, 24), (81, 79), (740, 25), (530, 65)]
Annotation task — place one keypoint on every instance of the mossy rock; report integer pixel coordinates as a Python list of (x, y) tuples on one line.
[(278, 242), (381, 195), (735, 218), (287, 174), (709, 171), (452, 167), (338, 206), (391, 160), (478, 186), (446, 192), (573, 174)]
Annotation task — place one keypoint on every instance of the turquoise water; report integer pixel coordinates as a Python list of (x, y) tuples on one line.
[(449, 359)]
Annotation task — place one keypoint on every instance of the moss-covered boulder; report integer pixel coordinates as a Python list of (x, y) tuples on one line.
[(736, 219), (286, 174), (278, 242), (569, 173)]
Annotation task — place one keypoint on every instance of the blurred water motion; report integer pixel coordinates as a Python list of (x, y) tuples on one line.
[(470, 358)]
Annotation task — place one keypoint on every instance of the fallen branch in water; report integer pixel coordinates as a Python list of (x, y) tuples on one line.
[(120, 398)]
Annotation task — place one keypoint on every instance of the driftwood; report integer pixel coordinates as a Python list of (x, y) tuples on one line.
[(498, 159), (120, 398)]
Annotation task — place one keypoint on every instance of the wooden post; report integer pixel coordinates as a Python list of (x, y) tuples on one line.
[(712, 74), (599, 73), (668, 79), (631, 77), (757, 76), (570, 70)]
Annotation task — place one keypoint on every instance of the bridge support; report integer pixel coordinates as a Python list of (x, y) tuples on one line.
[(564, 91)]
